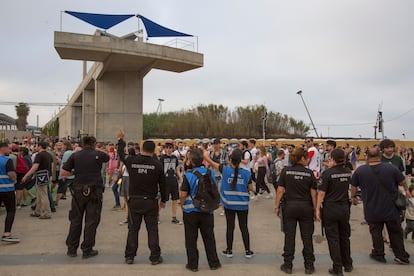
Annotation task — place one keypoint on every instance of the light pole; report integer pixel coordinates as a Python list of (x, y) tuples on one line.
[(159, 108), (264, 118), (313, 125)]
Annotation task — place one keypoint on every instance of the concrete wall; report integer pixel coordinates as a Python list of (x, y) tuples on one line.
[(10, 134), (88, 112), (118, 104)]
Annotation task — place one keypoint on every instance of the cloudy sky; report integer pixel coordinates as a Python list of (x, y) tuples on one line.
[(349, 58)]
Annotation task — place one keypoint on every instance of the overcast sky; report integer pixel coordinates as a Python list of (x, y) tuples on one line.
[(349, 58)]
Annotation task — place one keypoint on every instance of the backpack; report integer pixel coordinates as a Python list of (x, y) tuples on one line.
[(250, 154), (207, 196), (272, 173), (21, 165)]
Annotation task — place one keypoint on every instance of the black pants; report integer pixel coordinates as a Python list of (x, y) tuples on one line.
[(230, 219), (9, 200), (89, 206), (395, 234), (205, 222), (260, 183), (293, 213), (146, 209), (335, 217)]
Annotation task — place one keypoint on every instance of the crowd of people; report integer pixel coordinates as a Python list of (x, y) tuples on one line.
[(307, 182)]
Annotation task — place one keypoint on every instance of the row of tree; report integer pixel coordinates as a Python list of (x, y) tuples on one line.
[(219, 121)]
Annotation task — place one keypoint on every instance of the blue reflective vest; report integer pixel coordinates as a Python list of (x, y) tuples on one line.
[(6, 184), (237, 199), (188, 206)]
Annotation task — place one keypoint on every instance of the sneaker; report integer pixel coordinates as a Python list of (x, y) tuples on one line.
[(89, 253), (309, 269), (335, 273), (10, 239), (72, 253), (215, 267), (34, 215), (158, 261), (285, 268), (123, 222), (193, 269), (348, 268), (116, 207), (176, 221), (248, 254), (380, 259), (23, 205), (401, 261), (228, 253), (222, 213), (129, 260)]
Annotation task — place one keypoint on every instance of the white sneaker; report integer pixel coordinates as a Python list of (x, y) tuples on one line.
[(222, 213), (10, 239)]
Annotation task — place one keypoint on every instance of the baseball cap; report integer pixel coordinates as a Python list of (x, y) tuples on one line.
[(331, 142)]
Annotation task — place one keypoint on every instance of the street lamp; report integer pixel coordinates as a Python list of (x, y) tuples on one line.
[(313, 125), (159, 108)]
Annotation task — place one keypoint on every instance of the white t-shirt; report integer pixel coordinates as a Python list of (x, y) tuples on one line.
[(314, 161), (254, 153), (246, 156)]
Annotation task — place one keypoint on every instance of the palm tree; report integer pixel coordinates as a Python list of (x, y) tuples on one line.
[(22, 111)]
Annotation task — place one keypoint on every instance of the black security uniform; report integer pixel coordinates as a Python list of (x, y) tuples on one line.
[(336, 213), (146, 180), (298, 207), (87, 192)]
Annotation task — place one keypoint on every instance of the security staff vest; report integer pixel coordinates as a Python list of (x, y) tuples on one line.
[(188, 206), (6, 184), (237, 199)]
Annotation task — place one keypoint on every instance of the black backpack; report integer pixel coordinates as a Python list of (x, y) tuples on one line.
[(272, 173), (207, 196)]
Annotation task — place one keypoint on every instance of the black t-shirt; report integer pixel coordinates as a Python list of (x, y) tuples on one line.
[(87, 166), (298, 182), (146, 176), (44, 160), (170, 164), (335, 182), (9, 166), (378, 203)]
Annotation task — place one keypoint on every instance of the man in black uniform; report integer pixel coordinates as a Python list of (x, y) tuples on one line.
[(146, 179), (297, 186), (333, 193), (86, 192), (172, 177)]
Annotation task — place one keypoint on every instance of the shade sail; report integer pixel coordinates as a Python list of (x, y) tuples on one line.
[(155, 30), (104, 21)]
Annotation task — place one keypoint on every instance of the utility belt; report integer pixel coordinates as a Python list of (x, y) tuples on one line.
[(86, 189), (143, 197)]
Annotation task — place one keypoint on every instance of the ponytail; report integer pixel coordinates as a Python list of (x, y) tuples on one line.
[(236, 175)]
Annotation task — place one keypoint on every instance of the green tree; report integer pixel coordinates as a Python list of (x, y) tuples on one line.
[(22, 111)]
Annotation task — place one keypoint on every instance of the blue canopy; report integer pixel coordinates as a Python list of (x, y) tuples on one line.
[(104, 21), (155, 30)]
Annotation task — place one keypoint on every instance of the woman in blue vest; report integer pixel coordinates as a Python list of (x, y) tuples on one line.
[(7, 195), (234, 193)]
